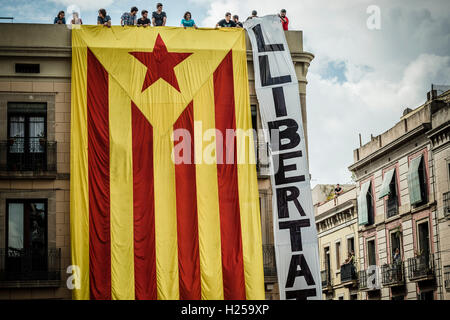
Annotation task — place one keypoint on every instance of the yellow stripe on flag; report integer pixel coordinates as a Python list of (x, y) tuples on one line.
[(165, 218), (79, 195), (121, 190), (247, 179), (207, 195)]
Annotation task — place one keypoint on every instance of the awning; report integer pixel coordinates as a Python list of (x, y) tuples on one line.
[(363, 212), (415, 195), (385, 186)]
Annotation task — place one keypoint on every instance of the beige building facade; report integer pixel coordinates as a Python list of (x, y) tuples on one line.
[(35, 95), (401, 182), (337, 230)]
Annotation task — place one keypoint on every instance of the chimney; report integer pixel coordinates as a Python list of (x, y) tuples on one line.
[(431, 95)]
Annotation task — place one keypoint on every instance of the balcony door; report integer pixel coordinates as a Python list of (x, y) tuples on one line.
[(371, 253), (27, 136), (424, 240), (26, 239)]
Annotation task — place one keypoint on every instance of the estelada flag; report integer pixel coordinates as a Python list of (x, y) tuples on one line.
[(144, 225)]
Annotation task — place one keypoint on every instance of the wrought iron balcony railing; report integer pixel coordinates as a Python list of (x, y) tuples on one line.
[(362, 277), (348, 273), (270, 268), (29, 265), (393, 274), (27, 154), (421, 267), (326, 279), (446, 200)]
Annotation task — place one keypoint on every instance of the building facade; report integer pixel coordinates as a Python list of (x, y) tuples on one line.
[(337, 230), (35, 95), (401, 182)]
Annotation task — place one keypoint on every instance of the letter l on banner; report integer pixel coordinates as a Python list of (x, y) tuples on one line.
[(295, 235)]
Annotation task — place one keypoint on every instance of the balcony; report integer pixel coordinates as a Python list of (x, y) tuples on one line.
[(349, 276), (368, 280), (446, 200), (270, 268), (27, 158), (393, 274), (421, 267), (29, 268), (326, 280)]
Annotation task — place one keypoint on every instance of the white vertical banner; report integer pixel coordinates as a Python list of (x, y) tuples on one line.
[(295, 235)]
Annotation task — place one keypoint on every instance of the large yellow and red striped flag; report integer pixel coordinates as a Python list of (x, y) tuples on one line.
[(145, 225)]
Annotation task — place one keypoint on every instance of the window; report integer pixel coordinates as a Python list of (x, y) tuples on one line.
[(417, 183), (327, 259), (371, 253), (350, 245), (27, 68), (423, 239), (26, 236), (365, 204), (389, 189), (354, 296), (27, 136), (338, 255), (396, 243), (428, 295)]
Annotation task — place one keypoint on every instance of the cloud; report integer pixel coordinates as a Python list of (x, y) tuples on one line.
[(361, 80), (85, 4)]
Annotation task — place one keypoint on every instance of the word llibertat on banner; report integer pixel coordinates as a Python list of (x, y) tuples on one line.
[(295, 235)]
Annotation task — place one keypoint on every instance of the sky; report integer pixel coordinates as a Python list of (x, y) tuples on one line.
[(361, 79)]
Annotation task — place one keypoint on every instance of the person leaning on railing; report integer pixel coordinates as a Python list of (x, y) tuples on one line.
[(103, 18), (144, 21), (129, 18), (60, 19)]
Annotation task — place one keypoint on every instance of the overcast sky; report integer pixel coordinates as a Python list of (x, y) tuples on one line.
[(361, 79)]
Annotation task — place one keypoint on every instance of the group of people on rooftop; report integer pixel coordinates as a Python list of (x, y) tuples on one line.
[(159, 18)]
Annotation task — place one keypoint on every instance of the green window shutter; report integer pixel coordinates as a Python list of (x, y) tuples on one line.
[(414, 181), (385, 190), (363, 213)]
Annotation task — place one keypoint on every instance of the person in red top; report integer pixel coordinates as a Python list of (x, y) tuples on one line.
[(284, 19)]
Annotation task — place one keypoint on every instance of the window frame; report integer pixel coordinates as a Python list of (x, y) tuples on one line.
[(26, 201)]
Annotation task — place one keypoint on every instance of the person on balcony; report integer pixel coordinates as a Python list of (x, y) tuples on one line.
[(337, 192), (350, 258), (227, 22), (236, 20), (144, 21), (187, 21), (76, 18), (60, 19), (284, 19), (159, 17), (397, 257), (129, 18), (103, 18), (254, 15)]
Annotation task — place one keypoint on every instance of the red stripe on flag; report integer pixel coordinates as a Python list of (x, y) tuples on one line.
[(187, 219), (143, 207), (230, 221), (98, 168)]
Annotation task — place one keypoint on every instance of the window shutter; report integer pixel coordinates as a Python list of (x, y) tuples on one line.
[(363, 214), (385, 190), (415, 195)]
